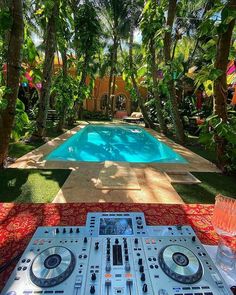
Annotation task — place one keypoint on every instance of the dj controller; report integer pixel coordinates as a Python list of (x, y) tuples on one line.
[(116, 254)]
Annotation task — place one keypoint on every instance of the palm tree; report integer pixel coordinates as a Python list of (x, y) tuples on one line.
[(114, 15), (50, 48), (133, 71), (152, 16), (220, 84), (178, 126), (13, 60), (88, 43)]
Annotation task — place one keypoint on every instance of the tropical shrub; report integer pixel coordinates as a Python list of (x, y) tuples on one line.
[(214, 130)]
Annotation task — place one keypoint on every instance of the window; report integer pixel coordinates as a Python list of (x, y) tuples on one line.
[(120, 103)]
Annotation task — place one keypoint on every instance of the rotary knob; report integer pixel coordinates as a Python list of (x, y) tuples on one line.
[(140, 261), (85, 240), (136, 240), (145, 288), (141, 268), (127, 266), (139, 221), (143, 277), (96, 245), (108, 267), (116, 241), (92, 290), (93, 276)]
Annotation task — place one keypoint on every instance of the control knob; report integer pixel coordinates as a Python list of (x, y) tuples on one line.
[(93, 276), (71, 230), (143, 277), (127, 266), (108, 266), (136, 240), (141, 268), (96, 245), (57, 230), (193, 238), (139, 222), (116, 241), (145, 288), (85, 240), (92, 290), (140, 261), (77, 230), (64, 230)]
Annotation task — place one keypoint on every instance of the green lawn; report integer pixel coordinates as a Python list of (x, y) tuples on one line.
[(31, 185), (205, 192), (18, 149), (212, 183)]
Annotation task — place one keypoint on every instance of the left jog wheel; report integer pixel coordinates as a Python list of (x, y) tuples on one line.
[(52, 266)]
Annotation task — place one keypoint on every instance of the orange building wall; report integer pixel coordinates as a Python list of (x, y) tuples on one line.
[(101, 88)]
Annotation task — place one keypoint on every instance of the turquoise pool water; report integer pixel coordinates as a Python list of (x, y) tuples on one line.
[(124, 143)]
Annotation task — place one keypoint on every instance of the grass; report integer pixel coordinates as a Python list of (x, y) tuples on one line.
[(31, 185), (212, 183), (205, 192), (207, 153), (20, 148)]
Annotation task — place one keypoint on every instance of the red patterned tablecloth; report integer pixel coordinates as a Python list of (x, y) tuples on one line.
[(18, 222)]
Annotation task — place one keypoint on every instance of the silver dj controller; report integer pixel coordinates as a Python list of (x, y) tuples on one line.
[(115, 254)]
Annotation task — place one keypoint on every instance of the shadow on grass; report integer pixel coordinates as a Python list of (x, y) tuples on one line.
[(31, 185), (205, 192)]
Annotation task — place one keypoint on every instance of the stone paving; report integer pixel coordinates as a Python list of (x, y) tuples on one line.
[(82, 185)]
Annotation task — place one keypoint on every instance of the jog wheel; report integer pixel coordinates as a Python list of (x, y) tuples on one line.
[(180, 264), (52, 266)]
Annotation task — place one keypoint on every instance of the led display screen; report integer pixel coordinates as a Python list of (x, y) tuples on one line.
[(116, 226)]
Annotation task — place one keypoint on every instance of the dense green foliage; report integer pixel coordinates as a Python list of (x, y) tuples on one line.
[(169, 47)]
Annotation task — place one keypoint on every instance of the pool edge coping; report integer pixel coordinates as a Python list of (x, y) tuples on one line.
[(35, 159)]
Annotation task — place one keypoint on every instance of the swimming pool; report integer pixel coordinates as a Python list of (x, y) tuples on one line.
[(122, 143)]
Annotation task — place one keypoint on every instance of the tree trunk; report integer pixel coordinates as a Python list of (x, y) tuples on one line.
[(147, 120), (113, 93), (160, 117), (62, 115), (178, 126), (220, 85), (112, 71), (7, 115), (47, 72), (83, 84)]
